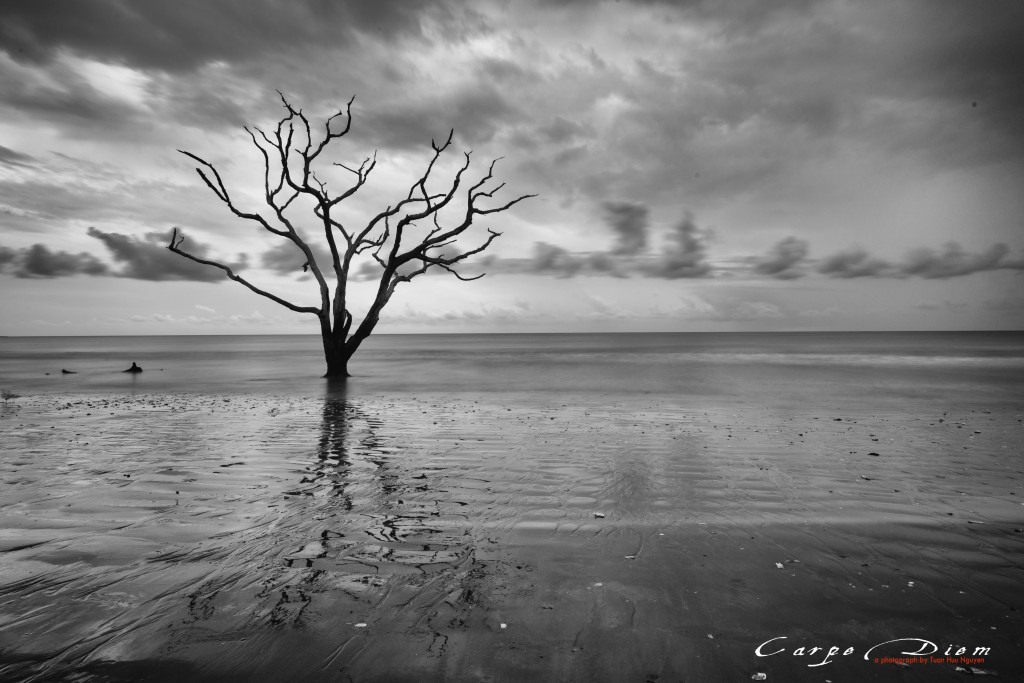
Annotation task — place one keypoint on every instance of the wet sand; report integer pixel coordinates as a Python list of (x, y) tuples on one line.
[(507, 537)]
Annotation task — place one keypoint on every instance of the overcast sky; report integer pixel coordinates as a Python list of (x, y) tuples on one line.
[(701, 165)]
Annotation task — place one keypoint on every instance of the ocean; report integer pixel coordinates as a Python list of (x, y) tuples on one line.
[(577, 507), (738, 366)]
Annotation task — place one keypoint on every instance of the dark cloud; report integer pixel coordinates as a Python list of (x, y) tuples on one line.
[(149, 259), (628, 220), (967, 62), (603, 263), (205, 99), (75, 105), (953, 261), (855, 262), (204, 108), (65, 97), (38, 261), (189, 33), (549, 259), (12, 158), (745, 15), (41, 262), (492, 69), (778, 90), (570, 155), (287, 259), (783, 260), (685, 255), (561, 130), (630, 224), (476, 113)]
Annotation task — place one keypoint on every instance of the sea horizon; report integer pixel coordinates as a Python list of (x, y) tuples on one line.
[(533, 332)]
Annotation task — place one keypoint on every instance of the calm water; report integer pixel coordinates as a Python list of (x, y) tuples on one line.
[(747, 366), (624, 504)]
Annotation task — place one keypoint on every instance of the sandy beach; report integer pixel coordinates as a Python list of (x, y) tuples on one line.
[(550, 537)]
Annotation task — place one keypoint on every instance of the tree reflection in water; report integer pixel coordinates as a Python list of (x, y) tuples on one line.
[(384, 512), (349, 433), (333, 450)]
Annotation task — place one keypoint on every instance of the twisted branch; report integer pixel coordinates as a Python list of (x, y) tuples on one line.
[(289, 153), (175, 246)]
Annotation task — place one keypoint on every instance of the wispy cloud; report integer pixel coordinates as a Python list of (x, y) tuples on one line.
[(517, 310), (190, 33), (211, 318), (11, 157)]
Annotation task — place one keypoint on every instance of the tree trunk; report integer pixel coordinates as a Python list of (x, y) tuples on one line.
[(336, 353)]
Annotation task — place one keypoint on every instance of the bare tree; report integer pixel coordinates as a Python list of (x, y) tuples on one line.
[(289, 153)]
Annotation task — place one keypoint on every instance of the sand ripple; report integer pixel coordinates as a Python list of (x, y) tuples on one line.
[(296, 538)]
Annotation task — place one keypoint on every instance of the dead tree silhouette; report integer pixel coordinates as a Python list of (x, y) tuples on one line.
[(393, 238)]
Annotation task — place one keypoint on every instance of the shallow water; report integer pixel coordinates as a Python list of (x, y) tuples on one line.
[(365, 533), (598, 365)]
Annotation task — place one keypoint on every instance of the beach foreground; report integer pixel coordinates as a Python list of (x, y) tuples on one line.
[(508, 537)]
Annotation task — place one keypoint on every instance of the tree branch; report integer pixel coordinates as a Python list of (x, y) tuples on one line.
[(446, 262), (222, 194), (175, 246), (271, 199), (289, 151)]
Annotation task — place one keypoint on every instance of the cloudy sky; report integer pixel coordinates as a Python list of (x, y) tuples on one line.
[(700, 164)]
